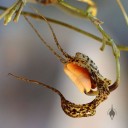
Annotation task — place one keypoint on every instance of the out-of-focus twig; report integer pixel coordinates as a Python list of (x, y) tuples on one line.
[(123, 11)]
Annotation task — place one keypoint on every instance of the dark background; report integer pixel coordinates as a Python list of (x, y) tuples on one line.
[(24, 105)]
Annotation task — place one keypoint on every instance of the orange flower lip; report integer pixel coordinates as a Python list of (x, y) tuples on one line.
[(80, 76)]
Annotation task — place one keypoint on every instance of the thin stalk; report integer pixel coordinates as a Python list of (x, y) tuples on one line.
[(123, 11), (76, 11)]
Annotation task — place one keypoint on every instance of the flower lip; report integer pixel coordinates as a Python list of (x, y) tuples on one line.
[(80, 76)]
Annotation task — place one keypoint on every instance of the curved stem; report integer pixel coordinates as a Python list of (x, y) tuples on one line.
[(120, 47), (123, 11), (116, 84), (116, 51)]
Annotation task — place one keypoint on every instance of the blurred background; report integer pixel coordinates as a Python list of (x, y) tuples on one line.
[(24, 105)]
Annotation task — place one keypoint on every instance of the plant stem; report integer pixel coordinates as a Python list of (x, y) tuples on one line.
[(35, 16), (116, 51)]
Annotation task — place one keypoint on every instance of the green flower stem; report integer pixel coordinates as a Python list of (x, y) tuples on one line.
[(106, 37), (116, 51), (35, 16), (118, 70)]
